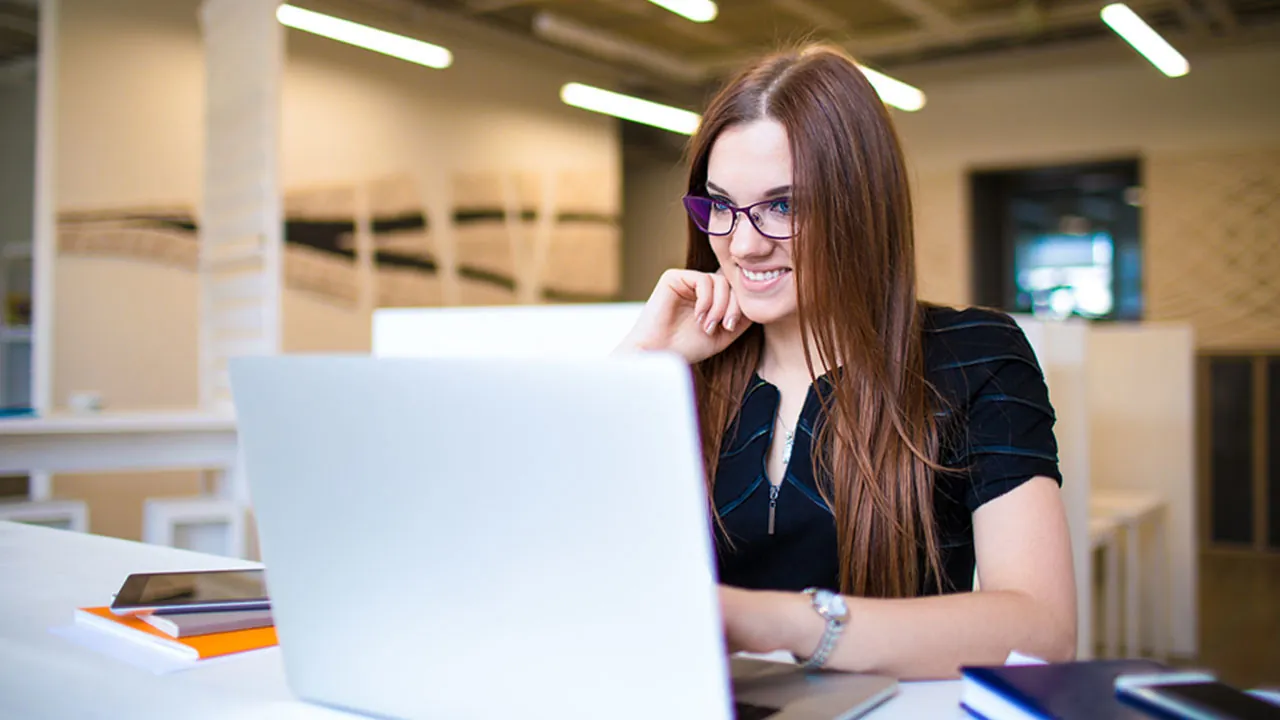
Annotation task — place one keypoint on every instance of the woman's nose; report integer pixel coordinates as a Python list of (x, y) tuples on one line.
[(747, 240)]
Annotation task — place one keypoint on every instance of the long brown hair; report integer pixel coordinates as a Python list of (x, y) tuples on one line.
[(875, 451)]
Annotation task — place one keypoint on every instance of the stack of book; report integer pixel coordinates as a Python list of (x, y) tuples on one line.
[(190, 636)]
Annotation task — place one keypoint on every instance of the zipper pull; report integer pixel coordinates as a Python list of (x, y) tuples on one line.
[(773, 504)]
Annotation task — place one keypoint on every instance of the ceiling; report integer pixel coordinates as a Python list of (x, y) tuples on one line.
[(665, 48), (19, 26)]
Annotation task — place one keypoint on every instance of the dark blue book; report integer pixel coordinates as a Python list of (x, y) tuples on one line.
[(1058, 691)]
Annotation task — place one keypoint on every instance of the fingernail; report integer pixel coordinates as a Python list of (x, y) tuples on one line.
[(711, 327), (728, 324), (699, 317)]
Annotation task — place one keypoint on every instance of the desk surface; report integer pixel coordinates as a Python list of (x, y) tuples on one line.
[(157, 421), (49, 573)]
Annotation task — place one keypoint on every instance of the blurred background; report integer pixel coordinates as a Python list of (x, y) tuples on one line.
[(1071, 161)]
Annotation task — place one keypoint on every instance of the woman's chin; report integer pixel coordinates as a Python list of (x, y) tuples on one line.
[(767, 313)]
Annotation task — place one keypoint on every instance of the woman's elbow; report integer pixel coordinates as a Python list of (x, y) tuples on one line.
[(1061, 641)]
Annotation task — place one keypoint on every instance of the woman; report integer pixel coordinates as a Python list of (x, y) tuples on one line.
[(863, 449)]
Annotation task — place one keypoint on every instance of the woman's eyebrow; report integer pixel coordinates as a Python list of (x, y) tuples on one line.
[(771, 193)]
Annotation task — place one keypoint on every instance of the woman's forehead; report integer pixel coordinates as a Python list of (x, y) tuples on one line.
[(749, 160)]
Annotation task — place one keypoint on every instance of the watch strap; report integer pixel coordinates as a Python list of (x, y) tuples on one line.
[(830, 634)]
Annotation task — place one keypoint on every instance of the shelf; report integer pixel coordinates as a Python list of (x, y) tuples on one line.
[(15, 334), (16, 251)]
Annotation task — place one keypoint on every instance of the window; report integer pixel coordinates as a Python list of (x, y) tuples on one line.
[(1059, 242)]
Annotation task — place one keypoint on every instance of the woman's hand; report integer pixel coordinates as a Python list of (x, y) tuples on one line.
[(690, 313)]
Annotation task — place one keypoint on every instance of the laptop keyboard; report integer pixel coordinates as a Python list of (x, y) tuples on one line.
[(745, 711)]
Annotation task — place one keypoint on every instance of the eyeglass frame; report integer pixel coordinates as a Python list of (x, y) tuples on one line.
[(733, 224)]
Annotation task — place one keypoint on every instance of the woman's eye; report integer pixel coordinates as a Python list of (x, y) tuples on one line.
[(719, 206), (781, 207)]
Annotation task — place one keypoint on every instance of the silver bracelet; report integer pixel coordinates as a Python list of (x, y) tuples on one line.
[(833, 609)]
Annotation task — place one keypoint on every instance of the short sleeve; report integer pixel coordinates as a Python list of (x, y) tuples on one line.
[(1006, 436)]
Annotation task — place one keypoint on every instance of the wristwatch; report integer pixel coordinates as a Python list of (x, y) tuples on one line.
[(832, 607)]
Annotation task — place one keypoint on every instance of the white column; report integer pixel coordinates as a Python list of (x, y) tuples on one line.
[(241, 225), (45, 221), (44, 243)]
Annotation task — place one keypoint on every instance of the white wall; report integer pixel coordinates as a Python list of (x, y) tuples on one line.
[(129, 95)]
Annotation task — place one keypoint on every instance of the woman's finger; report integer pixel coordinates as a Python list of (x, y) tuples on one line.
[(719, 305), (706, 297), (733, 314)]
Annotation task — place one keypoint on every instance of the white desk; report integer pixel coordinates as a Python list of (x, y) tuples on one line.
[(48, 573), (1131, 511), (108, 441), (121, 441)]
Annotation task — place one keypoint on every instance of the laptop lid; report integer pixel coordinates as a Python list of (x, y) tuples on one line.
[(559, 331), (485, 537)]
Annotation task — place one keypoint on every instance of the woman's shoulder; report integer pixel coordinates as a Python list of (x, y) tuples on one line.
[(963, 347), (972, 320)]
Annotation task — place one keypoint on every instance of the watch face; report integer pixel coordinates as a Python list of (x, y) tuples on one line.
[(838, 606)]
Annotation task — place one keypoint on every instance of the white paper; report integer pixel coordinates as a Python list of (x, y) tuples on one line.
[(129, 652), (1017, 658)]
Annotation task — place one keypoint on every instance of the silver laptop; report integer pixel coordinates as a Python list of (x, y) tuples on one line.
[(471, 538)]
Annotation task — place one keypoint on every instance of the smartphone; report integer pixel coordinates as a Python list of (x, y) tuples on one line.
[(144, 593), (1193, 696)]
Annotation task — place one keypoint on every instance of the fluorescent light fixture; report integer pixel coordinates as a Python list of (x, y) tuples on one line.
[(630, 108), (398, 46), (894, 92), (1145, 40), (699, 11), (891, 91)]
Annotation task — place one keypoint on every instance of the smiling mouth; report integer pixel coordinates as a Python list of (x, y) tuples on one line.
[(763, 276)]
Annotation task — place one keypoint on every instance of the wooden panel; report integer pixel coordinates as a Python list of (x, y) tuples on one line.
[(1273, 449), (1232, 464), (1213, 246)]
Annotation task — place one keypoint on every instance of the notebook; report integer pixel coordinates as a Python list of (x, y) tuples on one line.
[(193, 624), (1082, 690), (192, 648)]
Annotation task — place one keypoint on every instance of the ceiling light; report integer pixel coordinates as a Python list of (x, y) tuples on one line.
[(696, 10), (398, 46), (1145, 40), (894, 92), (629, 108)]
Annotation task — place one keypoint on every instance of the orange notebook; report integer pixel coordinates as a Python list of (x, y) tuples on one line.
[(200, 647)]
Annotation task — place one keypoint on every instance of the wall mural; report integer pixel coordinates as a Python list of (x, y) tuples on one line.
[(508, 238)]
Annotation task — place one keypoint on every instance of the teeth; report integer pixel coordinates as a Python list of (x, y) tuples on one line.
[(761, 277)]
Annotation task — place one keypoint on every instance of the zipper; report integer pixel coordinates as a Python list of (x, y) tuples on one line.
[(773, 505)]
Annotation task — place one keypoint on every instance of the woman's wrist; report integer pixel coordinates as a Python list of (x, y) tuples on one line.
[(800, 627)]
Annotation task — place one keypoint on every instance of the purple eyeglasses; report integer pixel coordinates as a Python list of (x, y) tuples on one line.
[(771, 218)]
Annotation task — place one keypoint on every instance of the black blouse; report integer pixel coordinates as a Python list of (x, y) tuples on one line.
[(997, 425)]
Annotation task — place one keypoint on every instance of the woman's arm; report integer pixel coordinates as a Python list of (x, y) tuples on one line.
[(1027, 603)]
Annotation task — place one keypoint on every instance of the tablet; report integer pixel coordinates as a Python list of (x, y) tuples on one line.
[(196, 591)]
